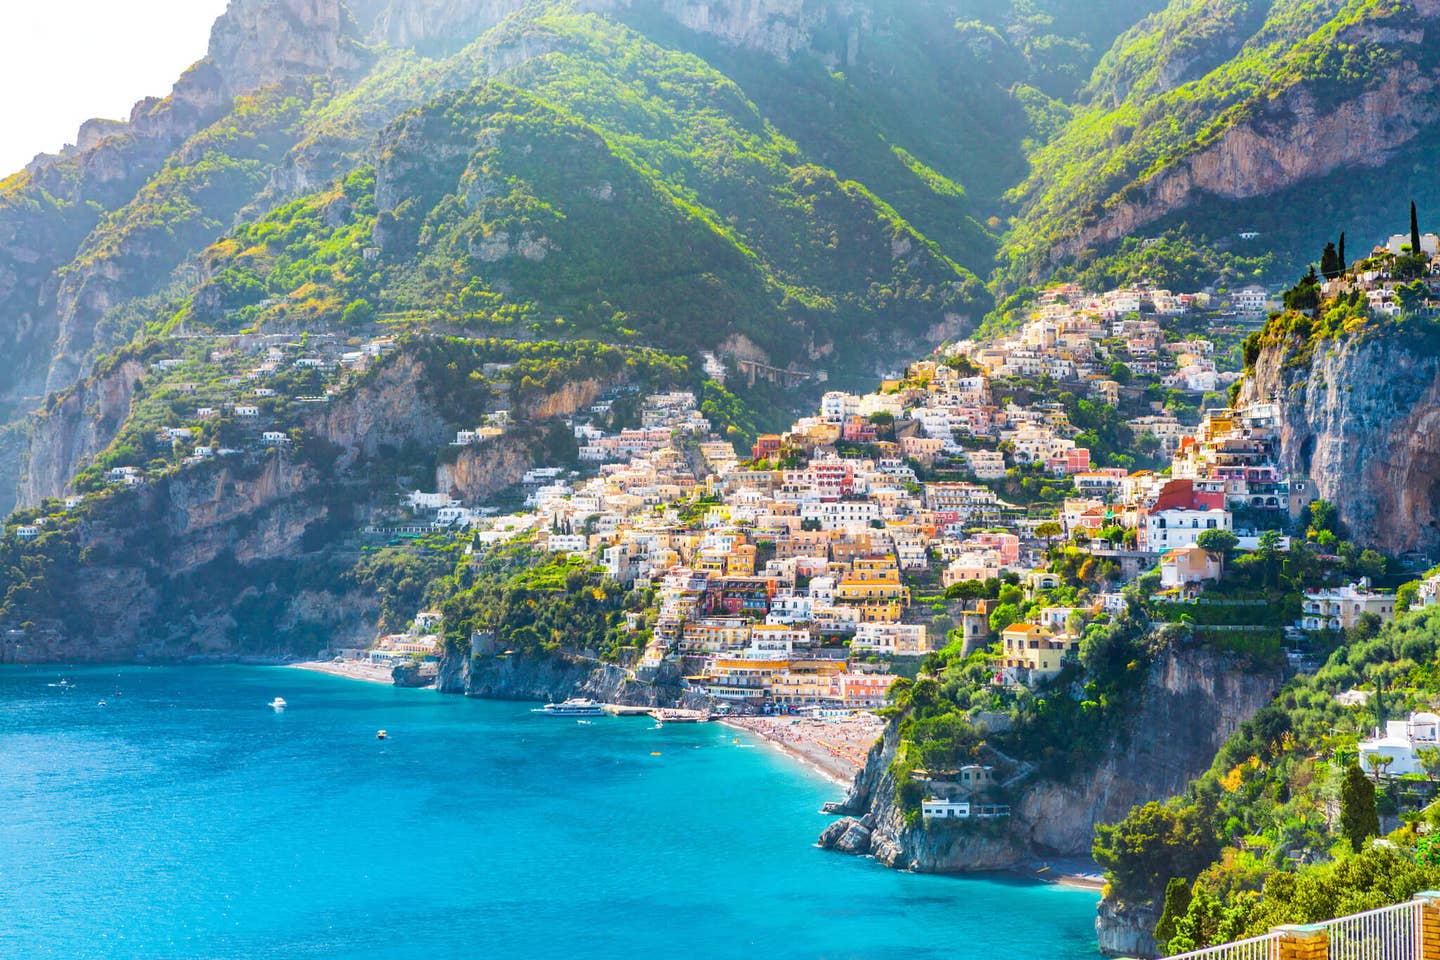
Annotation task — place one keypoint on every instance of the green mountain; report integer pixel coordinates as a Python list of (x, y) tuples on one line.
[(806, 184), (808, 189), (1239, 117)]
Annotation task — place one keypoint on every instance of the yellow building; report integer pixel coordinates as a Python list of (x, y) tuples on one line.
[(715, 636), (741, 561), (1036, 649), (741, 679)]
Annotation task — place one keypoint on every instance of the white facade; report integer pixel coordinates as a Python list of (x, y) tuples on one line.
[(1169, 529), (1400, 742)]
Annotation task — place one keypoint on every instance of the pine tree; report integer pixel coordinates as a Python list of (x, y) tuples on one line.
[(1414, 231), (1329, 262), (1358, 819), (1343, 264)]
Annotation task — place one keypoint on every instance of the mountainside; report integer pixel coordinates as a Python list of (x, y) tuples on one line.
[(1205, 107), (808, 184), (263, 549)]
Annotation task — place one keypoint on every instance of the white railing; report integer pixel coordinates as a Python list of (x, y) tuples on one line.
[(1266, 947), (1389, 933)]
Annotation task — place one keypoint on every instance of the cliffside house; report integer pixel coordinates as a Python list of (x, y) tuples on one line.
[(1340, 608), (1187, 566), (1401, 741)]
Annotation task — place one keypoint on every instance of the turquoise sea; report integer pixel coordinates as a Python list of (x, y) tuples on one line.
[(185, 819)]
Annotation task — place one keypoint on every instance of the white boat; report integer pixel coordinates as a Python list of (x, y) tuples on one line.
[(574, 707), (278, 704)]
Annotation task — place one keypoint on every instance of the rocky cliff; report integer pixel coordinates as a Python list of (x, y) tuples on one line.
[(1361, 418), (1192, 701), (1294, 138), (250, 554), (492, 674), (73, 428)]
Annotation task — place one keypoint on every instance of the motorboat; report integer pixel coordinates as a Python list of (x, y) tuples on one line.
[(574, 707), (278, 704)]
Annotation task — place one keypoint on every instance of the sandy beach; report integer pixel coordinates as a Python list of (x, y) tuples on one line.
[(350, 669), (1068, 872), (836, 748)]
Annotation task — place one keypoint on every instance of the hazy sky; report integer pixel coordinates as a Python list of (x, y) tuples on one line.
[(65, 61)]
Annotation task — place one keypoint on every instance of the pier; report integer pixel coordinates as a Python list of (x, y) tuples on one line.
[(660, 714)]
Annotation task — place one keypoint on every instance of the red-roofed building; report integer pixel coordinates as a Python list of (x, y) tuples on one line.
[(1180, 514)]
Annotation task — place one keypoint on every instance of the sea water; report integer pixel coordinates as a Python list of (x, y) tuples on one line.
[(184, 818)]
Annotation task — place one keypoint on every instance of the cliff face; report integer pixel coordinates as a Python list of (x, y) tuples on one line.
[(1192, 702), (1293, 138), (1304, 132), (1362, 421), (73, 430), (491, 675)]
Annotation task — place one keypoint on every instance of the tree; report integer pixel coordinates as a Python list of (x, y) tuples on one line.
[(1340, 255), (1378, 763), (1153, 844), (1003, 616), (1358, 819), (1329, 262), (1177, 901), (357, 313), (1222, 542), (1429, 758), (1324, 516), (1049, 530), (1414, 231)]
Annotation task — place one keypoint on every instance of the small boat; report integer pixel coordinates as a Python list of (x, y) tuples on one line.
[(100, 704), (655, 753), (380, 734), (574, 707), (278, 704), (583, 723)]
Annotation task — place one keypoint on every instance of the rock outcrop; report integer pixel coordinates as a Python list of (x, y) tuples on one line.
[(1361, 419), (1192, 702)]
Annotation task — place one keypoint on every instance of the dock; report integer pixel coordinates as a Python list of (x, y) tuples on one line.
[(659, 714), (621, 710)]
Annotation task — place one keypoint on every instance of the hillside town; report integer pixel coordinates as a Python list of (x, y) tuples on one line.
[(842, 552)]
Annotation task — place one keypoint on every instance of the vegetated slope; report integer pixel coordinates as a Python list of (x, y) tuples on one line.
[(671, 214), (1267, 836), (258, 549), (849, 161), (1208, 106)]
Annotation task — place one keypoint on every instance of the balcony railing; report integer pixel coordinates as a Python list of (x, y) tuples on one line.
[(1404, 931)]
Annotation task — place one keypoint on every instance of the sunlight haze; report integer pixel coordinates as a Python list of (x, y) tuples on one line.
[(65, 61)]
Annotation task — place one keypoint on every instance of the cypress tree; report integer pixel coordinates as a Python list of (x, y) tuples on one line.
[(1358, 819), (1329, 262), (1343, 264), (1177, 901), (1414, 231)]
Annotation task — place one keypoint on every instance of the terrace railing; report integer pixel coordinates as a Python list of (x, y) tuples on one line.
[(1266, 947), (1404, 931), (1389, 933)]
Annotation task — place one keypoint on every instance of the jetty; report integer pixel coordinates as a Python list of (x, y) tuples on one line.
[(659, 714), (621, 710)]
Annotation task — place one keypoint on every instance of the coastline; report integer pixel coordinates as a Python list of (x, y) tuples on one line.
[(803, 741), (1075, 873), (349, 669)]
